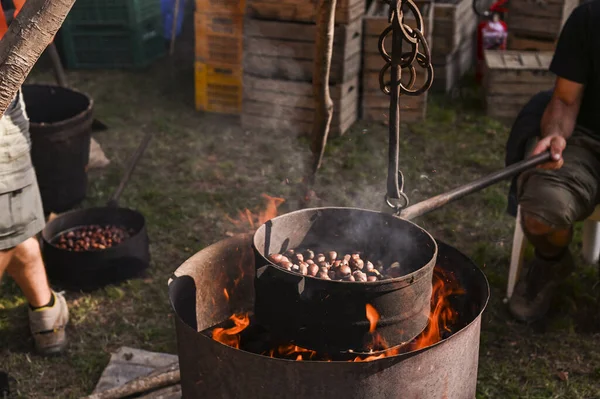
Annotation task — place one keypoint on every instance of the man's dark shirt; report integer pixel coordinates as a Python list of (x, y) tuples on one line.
[(577, 58)]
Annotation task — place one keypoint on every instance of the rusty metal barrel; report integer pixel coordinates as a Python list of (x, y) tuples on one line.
[(60, 128), (210, 369)]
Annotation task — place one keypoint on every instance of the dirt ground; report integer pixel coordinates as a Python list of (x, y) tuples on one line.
[(200, 169)]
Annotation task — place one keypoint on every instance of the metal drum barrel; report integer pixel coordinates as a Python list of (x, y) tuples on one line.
[(60, 128)]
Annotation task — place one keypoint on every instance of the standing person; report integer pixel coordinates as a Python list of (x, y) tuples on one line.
[(21, 219), (558, 194)]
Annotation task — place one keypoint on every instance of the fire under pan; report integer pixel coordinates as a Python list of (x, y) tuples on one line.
[(218, 282)]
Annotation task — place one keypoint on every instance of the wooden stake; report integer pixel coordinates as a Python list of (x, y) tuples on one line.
[(26, 39), (322, 67)]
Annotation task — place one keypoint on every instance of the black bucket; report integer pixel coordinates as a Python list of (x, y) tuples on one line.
[(60, 127)]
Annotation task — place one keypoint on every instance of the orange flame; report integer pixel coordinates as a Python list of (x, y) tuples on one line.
[(249, 221), (441, 317), (231, 336), (295, 351), (442, 313), (226, 294), (373, 317)]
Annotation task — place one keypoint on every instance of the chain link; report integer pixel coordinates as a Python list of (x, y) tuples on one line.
[(419, 49), (390, 81)]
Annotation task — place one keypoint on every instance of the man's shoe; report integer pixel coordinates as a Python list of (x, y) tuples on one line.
[(533, 294), (48, 326)]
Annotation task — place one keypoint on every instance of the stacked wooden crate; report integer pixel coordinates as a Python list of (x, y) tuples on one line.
[(536, 25), (279, 62), (511, 78), (375, 104), (453, 46), (219, 26)]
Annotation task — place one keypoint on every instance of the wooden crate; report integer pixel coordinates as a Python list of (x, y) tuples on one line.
[(511, 78), (453, 23), (219, 37), (218, 88), (347, 11), (525, 43), (285, 50), (289, 105), (539, 20), (375, 104), (453, 43), (450, 69), (228, 6)]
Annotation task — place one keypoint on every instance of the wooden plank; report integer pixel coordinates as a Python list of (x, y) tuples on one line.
[(447, 43), (507, 60), (518, 42), (299, 69), (295, 88), (300, 32), (541, 20), (279, 111), (304, 10), (519, 76), (511, 78), (288, 105), (381, 115), (371, 80), (537, 10), (467, 46), (452, 24), (376, 19), (127, 364), (285, 50), (533, 26), (380, 100), (447, 75), (268, 96)]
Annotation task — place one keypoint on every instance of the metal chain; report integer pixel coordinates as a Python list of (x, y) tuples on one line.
[(415, 38), (395, 63)]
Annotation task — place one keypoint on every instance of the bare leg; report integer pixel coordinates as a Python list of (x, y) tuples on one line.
[(5, 257), (27, 269)]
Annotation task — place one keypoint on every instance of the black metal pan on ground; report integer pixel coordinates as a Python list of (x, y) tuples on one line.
[(93, 269), (328, 315)]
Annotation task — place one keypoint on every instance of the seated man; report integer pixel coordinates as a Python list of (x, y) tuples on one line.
[(560, 193), (21, 218)]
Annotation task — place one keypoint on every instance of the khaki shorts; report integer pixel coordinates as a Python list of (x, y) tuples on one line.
[(570, 194), (25, 216), (21, 211)]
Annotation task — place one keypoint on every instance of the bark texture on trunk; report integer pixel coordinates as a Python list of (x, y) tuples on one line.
[(322, 67), (28, 36)]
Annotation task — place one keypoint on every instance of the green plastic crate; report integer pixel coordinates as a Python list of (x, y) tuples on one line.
[(101, 47), (112, 12)]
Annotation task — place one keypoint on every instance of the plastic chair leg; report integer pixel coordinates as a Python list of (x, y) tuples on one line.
[(516, 259)]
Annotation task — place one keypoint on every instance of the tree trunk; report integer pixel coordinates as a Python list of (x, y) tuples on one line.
[(26, 39), (323, 103)]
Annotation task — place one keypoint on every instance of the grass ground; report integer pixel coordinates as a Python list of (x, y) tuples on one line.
[(200, 169)]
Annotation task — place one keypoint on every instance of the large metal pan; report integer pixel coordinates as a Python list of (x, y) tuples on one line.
[(91, 270), (328, 315)]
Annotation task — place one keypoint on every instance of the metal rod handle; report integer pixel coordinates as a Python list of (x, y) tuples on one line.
[(114, 200), (438, 201)]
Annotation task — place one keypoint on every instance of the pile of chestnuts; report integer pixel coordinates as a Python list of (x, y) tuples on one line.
[(92, 238), (330, 266)]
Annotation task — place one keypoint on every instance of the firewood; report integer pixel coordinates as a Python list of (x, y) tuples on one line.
[(160, 378), (26, 39)]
